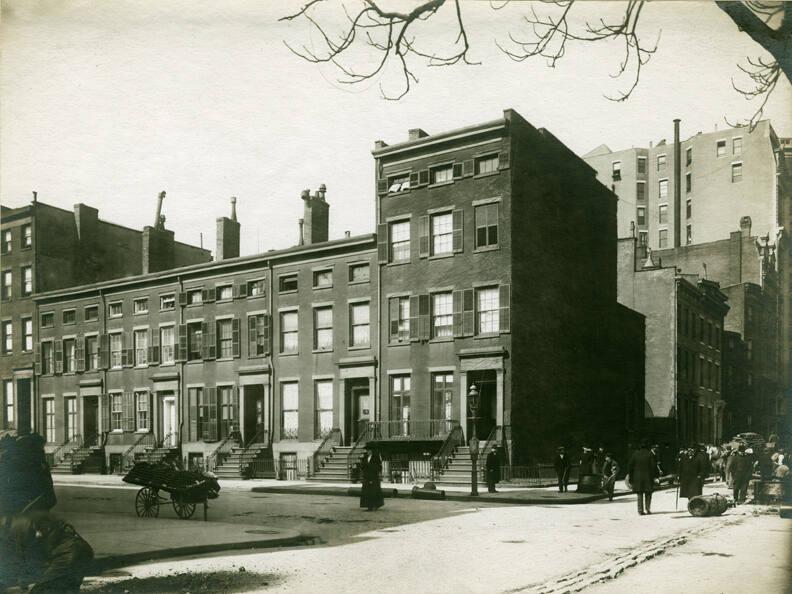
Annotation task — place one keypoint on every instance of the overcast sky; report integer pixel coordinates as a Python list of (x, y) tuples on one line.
[(107, 103)]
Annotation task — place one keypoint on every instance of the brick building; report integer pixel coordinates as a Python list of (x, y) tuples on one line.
[(46, 248)]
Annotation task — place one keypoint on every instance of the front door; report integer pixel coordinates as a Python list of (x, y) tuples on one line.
[(169, 436), (487, 403), (360, 412), (254, 413), (90, 420)]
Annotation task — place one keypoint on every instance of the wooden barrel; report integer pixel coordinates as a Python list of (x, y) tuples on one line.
[(707, 505)]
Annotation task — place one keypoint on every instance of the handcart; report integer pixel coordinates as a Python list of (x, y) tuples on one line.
[(186, 488)]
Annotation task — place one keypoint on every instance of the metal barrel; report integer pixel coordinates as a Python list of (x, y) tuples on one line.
[(707, 505)]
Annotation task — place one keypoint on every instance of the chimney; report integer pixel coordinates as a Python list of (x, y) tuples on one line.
[(417, 133), (86, 220), (35, 196), (227, 245), (158, 222), (347, 234), (316, 216), (677, 186), (745, 226), (379, 144), (158, 249), (301, 236)]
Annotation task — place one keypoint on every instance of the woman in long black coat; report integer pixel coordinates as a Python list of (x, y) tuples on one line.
[(690, 475), (371, 492)]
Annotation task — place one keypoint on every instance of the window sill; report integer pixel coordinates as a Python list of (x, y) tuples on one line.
[(194, 361), (400, 343), (290, 292), (141, 366), (488, 174), (68, 323), (359, 347), (115, 369), (399, 263), (255, 296), (319, 351), (442, 339), (290, 354), (231, 300), (194, 304), (142, 431), (440, 184), (487, 335), (322, 287), (399, 193), (140, 313), (359, 282), (222, 359), (487, 248), (441, 256), (169, 364)]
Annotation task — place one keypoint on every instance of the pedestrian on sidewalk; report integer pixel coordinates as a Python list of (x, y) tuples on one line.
[(586, 462), (742, 469), (641, 471), (610, 468), (492, 466), (690, 471), (371, 491), (562, 467)]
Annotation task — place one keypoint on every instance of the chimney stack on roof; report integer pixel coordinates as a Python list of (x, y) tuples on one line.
[(301, 236), (227, 240), (159, 223), (417, 133), (316, 216)]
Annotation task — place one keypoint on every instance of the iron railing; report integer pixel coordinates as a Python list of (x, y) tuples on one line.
[(358, 446), (324, 450), (535, 475), (402, 469), (221, 452), (170, 440), (260, 438), (63, 449), (145, 440), (429, 429), (293, 469), (440, 460)]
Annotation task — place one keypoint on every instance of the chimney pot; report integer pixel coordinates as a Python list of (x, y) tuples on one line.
[(305, 194), (379, 144), (233, 208), (300, 224), (417, 133), (35, 196), (347, 234)]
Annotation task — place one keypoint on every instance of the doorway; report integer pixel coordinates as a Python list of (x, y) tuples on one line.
[(359, 408), (254, 426), (486, 383), (169, 420), (91, 420)]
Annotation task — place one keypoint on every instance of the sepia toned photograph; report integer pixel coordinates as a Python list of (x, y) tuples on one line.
[(395, 296)]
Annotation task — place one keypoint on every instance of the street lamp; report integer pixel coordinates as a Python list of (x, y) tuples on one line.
[(473, 443)]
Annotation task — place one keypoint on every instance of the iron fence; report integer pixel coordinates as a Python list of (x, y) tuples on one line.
[(290, 469), (535, 475)]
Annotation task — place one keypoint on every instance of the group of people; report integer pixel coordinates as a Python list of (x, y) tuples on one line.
[(600, 463), (738, 465)]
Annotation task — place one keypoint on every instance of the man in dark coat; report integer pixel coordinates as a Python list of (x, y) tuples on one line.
[(371, 492), (586, 462), (690, 472), (742, 469), (642, 470), (610, 468), (492, 466), (562, 466)]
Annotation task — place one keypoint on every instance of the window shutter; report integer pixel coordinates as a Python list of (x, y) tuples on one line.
[(79, 354), (469, 312), (503, 159), (206, 341), (382, 186), (104, 351), (210, 427), (242, 290), (423, 236), (393, 317), (182, 299), (154, 349), (264, 331), (252, 336), (468, 168), (128, 407), (458, 327), (423, 317), (181, 348), (457, 171), (105, 400), (192, 412), (211, 294), (128, 357), (58, 356), (236, 337), (382, 243), (423, 177), (37, 359), (414, 179), (458, 217), (414, 317), (505, 308)]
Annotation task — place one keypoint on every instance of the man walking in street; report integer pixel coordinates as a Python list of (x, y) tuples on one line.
[(562, 468), (610, 468), (641, 470), (742, 469)]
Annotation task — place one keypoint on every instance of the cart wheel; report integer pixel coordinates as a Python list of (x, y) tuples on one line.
[(147, 503), (183, 509)]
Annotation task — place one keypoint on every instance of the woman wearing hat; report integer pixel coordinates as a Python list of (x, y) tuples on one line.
[(371, 492)]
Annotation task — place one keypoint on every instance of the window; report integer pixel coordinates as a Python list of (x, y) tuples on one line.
[(27, 334), (689, 156), (487, 164), (322, 279), (641, 216), (116, 350), (736, 172), (749, 346), (290, 398), (27, 280), (7, 286), (689, 234), (226, 396), (399, 308), (359, 273), (7, 243), (167, 302), (47, 357), (442, 230), (399, 182), (662, 238), (323, 423), (661, 162), (400, 403), (225, 293), (442, 315), (737, 145), (115, 310), (720, 148), (199, 410), (194, 341), (91, 353), (256, 288), (91, 313), (8, 404), (662, 214), (663, 188), (441, 174), (689, 208), (487, 310), (8, 337), (359, 333), (641, 165), (688, 182), (69, 316), (399, 241), (141, 347), (69, 355), (27, 236), (140, 306), (287, 283), (225, 339), (487, 225), (616, 170), (443, 398), (323, 329), (70, 404), (640, 191), (643, 238), (142, 411), (194, 297), (116, 412), (49, 420), (167, 351), (288, 332)]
